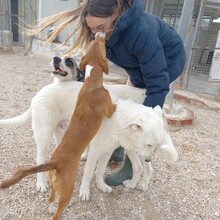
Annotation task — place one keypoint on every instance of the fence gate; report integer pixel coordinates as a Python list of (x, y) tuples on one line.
[(14, 14), (203, 74)]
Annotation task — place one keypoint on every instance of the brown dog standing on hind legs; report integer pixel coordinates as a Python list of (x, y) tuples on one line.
[(93, 104)]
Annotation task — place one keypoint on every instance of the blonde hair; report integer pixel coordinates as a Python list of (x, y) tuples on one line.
[(96, 8)]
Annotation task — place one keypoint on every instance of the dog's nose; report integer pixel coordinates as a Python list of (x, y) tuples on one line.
[(56, 60)]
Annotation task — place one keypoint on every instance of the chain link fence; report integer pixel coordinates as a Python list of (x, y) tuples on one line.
[(203, 72)]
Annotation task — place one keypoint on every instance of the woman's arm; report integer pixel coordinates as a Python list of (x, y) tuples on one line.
[(149, 52)]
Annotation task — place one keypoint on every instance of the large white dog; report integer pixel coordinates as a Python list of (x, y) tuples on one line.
[(140, 130), (52, 107)]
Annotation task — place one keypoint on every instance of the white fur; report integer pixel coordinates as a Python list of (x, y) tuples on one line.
[(88, 71), (51, 208), (139, 130), (50, 112)]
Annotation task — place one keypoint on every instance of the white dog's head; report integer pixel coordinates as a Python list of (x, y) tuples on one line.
[(146, 132), (66, 70)]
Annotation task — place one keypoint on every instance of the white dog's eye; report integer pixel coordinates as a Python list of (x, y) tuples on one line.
[(149, 145), (69, 62)]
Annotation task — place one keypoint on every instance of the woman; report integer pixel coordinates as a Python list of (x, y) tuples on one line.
[(150, 51)]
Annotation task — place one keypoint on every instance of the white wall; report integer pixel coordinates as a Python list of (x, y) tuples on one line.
[(49, 7)]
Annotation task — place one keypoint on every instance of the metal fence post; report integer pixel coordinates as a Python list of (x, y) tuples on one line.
[(185, 19)]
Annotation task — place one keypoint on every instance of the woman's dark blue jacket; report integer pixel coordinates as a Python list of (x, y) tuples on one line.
[(150, 51)]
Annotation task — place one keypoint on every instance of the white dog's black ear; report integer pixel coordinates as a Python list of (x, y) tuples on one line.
[(158, 110)]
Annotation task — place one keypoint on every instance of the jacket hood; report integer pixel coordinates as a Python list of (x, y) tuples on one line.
[(126, 20), (130, 16)]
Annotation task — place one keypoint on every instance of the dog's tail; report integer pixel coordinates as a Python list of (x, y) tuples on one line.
[(19, 120), (167, 149), (23, 172)]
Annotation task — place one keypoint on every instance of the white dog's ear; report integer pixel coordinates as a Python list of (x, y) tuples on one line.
[(135, 124), (135, 127), (158, 110)]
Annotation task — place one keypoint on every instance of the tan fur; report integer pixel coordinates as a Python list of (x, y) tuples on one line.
[(93, 104)]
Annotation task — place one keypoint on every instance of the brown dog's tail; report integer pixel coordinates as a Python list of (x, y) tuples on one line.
[(23, 172)]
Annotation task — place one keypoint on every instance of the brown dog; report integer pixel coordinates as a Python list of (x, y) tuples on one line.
[(93, 104)]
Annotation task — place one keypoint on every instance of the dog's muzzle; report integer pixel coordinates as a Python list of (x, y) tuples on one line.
[(56, 65), (59, 71), (56, 61)]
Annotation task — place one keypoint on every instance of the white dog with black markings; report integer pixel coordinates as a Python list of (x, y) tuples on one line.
[(140, 130), (52, 107)]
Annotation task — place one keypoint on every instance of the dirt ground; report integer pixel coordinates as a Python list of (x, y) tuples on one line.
[(187, 190)]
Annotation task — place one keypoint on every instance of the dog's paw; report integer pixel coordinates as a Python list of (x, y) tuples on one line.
[(129, 184), (42, 187), (85, 154), (83, 157), (104, 187), (84, 194), (51, 208), (142, 184)]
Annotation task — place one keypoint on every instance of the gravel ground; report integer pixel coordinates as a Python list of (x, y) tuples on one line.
[(190, 189)]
